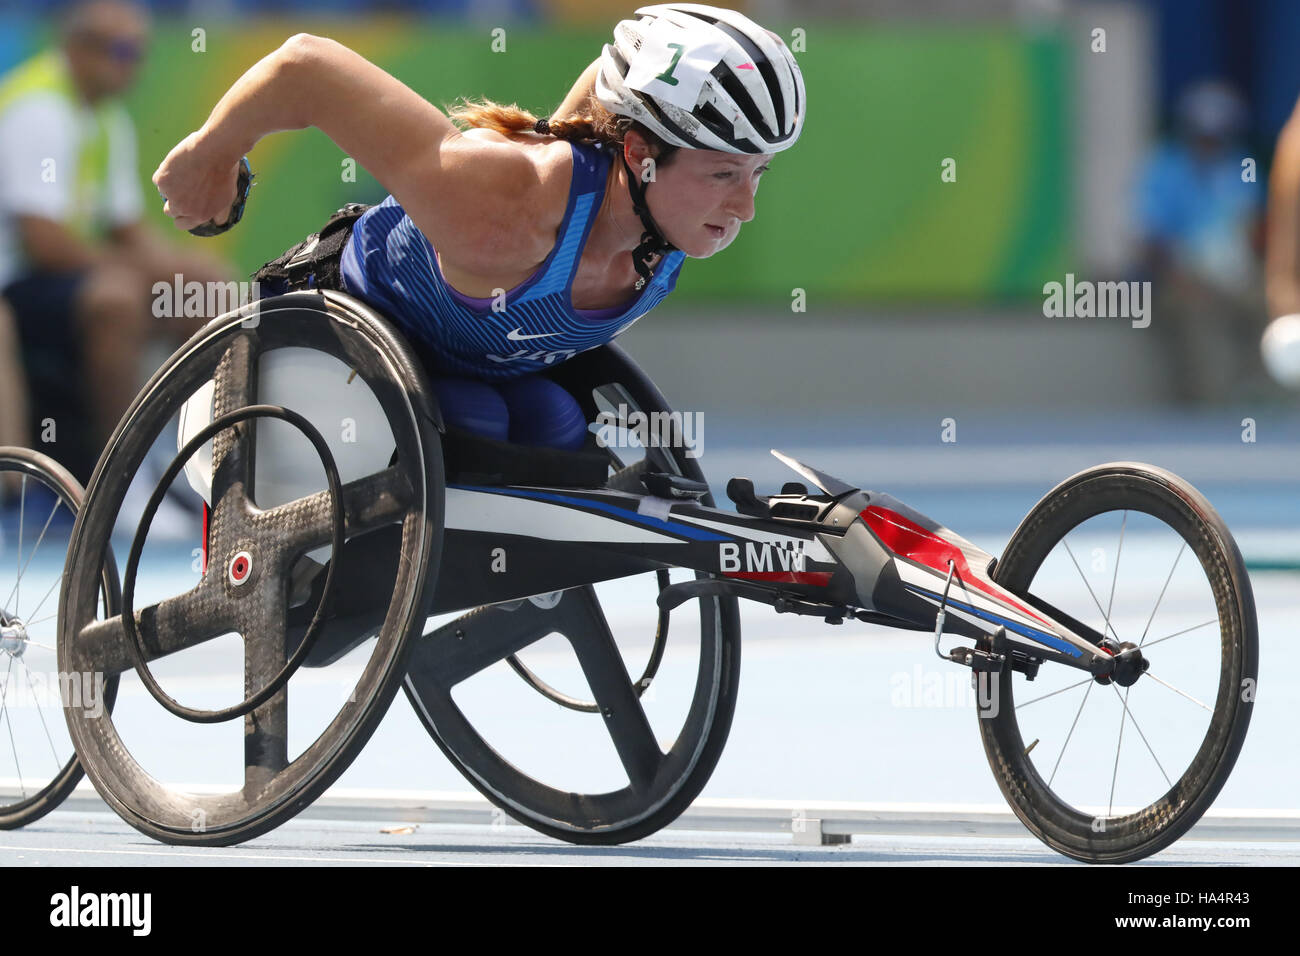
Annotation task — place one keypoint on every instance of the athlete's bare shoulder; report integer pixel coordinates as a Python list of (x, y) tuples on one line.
[(539, 169)]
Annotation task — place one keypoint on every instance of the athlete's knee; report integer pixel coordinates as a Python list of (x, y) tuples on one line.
[(473, 405), (543, 413)]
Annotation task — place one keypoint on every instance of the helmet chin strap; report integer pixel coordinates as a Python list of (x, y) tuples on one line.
[(652, 240)]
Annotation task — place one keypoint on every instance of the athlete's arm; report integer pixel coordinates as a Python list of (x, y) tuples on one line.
[(471, 196), (1282, 265)]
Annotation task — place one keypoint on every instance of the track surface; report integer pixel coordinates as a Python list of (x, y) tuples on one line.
[(67, 838), (839, 714)]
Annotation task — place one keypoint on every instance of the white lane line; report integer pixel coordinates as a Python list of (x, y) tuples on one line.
[(248, 857)]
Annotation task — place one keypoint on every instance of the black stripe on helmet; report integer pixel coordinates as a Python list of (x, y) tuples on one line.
[(653, 108), (709, 115), (736, 90), (765, 70), (620, 61), (728, 131)]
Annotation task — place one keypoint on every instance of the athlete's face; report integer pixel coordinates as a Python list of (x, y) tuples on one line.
[(701, 197)]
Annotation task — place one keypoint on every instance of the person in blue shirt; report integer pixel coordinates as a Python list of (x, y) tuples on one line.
[(520, 242), (1200, 221)]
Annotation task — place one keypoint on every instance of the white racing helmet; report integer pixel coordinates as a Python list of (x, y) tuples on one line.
[(703, 77)]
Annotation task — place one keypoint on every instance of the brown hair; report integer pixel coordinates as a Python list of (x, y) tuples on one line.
[(592, 123)]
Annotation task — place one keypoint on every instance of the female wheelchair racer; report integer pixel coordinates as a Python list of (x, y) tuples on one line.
[(306, 575), (693, 99)]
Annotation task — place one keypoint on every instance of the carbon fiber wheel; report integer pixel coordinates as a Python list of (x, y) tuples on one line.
[(659, 747), (38, 766), (1110, 774), (264, 767)]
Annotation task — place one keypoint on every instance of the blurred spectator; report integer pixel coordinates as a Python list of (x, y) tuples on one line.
[(13, 384), (13, 406), (76, 261), (1200, 223)]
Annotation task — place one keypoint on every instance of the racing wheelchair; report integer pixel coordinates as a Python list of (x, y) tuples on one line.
[(342, 515)]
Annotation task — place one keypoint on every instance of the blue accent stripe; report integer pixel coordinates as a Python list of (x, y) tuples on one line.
[(1033, 633), (659, 524)]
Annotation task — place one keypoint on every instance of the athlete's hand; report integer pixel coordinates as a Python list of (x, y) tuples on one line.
[(197, 185)]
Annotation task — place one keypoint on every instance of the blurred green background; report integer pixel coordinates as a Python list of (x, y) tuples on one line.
[(856, 211)]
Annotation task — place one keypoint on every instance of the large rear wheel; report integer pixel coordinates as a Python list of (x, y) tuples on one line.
[(622, 757), (232, 634)]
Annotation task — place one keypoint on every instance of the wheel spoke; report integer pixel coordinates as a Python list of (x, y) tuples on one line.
[(266, 729), (368, 503), (164, 628), (479, 638), (13, 593), (1074, 724), (22, 509), (1123, 699), (58, 765), (41, 603), (611, 685), (1119, 745), (1084, 578), (4, 709), (1177, 691), (1110, 603), (1186, 630), (1086, 680), (235, 385), (1161, 596)]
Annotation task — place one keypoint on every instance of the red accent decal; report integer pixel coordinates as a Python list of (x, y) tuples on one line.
[(745, 66), (205, 537), (907, 538), (816, 578)]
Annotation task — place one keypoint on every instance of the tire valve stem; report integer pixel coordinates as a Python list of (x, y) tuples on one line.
[(1031, 746)]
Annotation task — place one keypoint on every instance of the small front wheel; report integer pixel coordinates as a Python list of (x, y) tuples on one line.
[(1111, 774)]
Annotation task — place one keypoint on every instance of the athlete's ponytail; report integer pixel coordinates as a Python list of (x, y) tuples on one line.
[(591, 124)]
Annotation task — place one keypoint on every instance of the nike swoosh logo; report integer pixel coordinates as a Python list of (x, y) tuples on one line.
[(516, 335)]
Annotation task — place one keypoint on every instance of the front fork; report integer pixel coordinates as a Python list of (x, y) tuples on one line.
[(915, 569)]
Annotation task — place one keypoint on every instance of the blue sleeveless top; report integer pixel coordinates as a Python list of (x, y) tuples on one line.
[(390, 265)]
